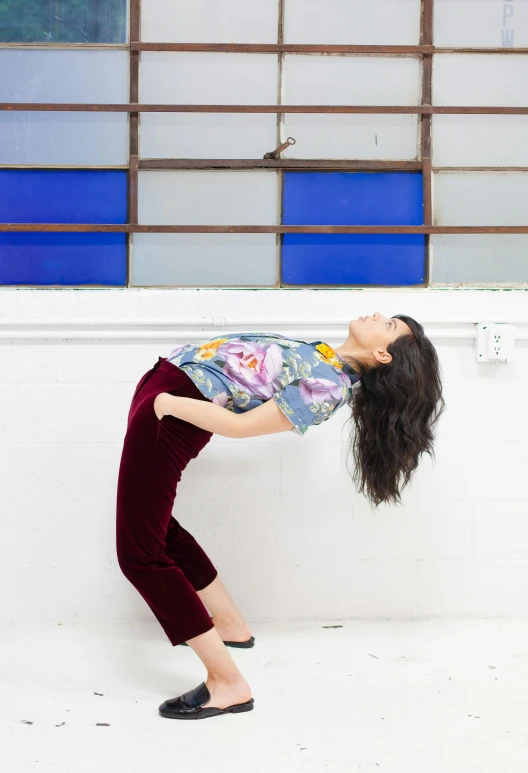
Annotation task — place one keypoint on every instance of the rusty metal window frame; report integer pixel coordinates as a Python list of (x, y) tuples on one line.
[(425, 51)]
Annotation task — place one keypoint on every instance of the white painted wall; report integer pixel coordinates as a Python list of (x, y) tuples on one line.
[(278, 514)]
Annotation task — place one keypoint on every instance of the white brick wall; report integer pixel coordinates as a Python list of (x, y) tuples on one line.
[(279, 515)]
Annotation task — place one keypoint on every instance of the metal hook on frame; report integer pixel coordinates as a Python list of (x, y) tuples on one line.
[(275, 153)]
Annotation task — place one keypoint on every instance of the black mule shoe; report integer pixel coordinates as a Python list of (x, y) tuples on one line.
[(243, 644), (189, 705)]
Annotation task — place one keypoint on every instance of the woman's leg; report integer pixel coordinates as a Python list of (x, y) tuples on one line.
[(144, 501), (227, 619), (224, 680), (186, 553), (154, 455)]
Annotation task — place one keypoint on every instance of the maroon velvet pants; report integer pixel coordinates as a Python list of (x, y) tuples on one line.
[(158, 556)]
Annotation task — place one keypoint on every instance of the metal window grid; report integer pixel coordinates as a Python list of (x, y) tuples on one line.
[(425, 51)]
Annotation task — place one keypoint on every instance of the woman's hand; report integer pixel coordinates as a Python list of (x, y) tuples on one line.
[(160, 405)]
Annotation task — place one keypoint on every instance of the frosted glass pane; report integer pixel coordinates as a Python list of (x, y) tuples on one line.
[(351, 136), (480, 258), (51, 75), (204, 259), (480, 198), (190, 78), (390, 22), (72, 139), (480, 79), (202, 135), (195, 78), (63, 21), (208, 197), (337, 80), (349, 80), (480, 140), (209, 21), (472, 23), (45, 137)]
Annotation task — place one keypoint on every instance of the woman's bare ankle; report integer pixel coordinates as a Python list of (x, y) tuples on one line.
[(226, 619), (230, 624), (227, 679)]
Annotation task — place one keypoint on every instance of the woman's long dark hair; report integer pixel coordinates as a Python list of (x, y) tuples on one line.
[(395, 407)]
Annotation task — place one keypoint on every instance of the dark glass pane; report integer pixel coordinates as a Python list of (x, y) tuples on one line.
[(63, 21), (353, 198), (63, 196)]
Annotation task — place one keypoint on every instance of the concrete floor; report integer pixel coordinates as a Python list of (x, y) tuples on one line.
[(431, 696)]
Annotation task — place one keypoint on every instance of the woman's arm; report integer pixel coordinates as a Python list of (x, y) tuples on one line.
[(201, 413), (266, 419)]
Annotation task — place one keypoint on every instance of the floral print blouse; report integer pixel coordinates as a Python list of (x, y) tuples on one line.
[(240, 371)]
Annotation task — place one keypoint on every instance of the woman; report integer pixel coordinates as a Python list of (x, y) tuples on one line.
[(243, 385)]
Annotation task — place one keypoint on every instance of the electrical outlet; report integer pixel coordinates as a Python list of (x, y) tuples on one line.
[(495, 342)]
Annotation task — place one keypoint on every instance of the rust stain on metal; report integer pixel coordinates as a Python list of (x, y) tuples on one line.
[(282, 48), (426, 39), (195, 108), (279, 163), (133, 125), (301, 48), (259, 229)]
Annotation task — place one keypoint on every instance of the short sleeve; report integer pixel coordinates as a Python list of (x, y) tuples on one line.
[(310, 401)]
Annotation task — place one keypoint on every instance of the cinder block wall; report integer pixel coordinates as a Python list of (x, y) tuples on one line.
[(278, 514)]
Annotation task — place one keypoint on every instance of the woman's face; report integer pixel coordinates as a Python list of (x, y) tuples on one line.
[(377, 331)]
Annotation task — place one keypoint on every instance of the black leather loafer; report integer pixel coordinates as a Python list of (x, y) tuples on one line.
[(243, 644), (189, 705)]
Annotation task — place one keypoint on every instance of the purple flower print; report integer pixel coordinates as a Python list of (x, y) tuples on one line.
[(319, 390), (220, 399), (253, 366)]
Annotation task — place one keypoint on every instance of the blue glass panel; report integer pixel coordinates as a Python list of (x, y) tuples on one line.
[(63, 196), (353, 198), (63, 21)]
